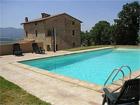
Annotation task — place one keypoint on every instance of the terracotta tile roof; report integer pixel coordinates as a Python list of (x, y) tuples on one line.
[(41, 19)]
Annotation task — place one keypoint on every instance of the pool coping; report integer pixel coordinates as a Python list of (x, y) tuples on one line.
[(88, 85), (84, 84), (69, 53)]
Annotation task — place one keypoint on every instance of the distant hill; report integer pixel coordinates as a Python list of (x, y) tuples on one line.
[(11, 33)]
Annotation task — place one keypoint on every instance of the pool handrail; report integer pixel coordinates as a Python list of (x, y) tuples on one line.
[(117, 74), (126, 66), (119, 70), (110, 76), (130, 71)]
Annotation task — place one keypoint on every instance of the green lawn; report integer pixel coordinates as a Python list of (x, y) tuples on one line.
[(11, 94), (99, 46), (87, 47)]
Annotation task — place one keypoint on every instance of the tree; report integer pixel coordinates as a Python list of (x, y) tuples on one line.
[(101, 33), (86, 38), (82, 34), (127, 25), (113, 34)]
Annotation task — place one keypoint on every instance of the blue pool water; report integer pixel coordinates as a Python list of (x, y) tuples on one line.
[(92, 66)]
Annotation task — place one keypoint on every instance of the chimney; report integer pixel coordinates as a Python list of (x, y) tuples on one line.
[(45, 15), (26, 19)]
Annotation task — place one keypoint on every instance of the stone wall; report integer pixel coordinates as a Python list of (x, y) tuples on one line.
[(26, 47)]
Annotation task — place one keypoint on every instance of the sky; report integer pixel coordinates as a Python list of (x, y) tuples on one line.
[(13, 12)]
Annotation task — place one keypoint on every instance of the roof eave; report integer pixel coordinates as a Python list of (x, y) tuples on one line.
[(51, 17)]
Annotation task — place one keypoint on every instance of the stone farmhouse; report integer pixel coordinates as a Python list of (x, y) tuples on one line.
[(56, 32)]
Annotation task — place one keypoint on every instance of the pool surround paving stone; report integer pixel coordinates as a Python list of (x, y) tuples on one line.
[(51, 87)]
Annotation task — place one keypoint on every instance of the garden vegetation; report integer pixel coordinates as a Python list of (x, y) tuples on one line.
[(124, 31)]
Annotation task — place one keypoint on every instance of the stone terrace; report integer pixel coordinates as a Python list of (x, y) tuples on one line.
[(47, 88)]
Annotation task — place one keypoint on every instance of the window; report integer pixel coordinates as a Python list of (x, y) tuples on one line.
[(48, 48), (36, 33), (56, 47), (73, 22), (49, 33), (35, 23), (73, 32), (45, 34), (26, 34), (73, 44)]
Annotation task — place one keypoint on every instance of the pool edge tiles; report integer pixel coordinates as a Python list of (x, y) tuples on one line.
[(51, 63), (45, 64), (65, 78), (70, 53), (74, 81)]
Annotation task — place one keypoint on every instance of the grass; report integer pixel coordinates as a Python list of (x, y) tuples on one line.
[(87, 47), (99, 46), (11, 94)]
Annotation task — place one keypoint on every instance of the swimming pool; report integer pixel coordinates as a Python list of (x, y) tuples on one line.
[(91, 66)]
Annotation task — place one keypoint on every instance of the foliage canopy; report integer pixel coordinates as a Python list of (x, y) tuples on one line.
[(124, 31)]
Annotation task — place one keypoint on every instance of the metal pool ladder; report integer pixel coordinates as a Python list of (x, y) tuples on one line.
[(117, 72)]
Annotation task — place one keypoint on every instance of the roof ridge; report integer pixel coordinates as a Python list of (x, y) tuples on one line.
[(40, 19)]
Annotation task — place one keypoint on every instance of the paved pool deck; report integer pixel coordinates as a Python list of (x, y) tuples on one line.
[(46, 87)]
